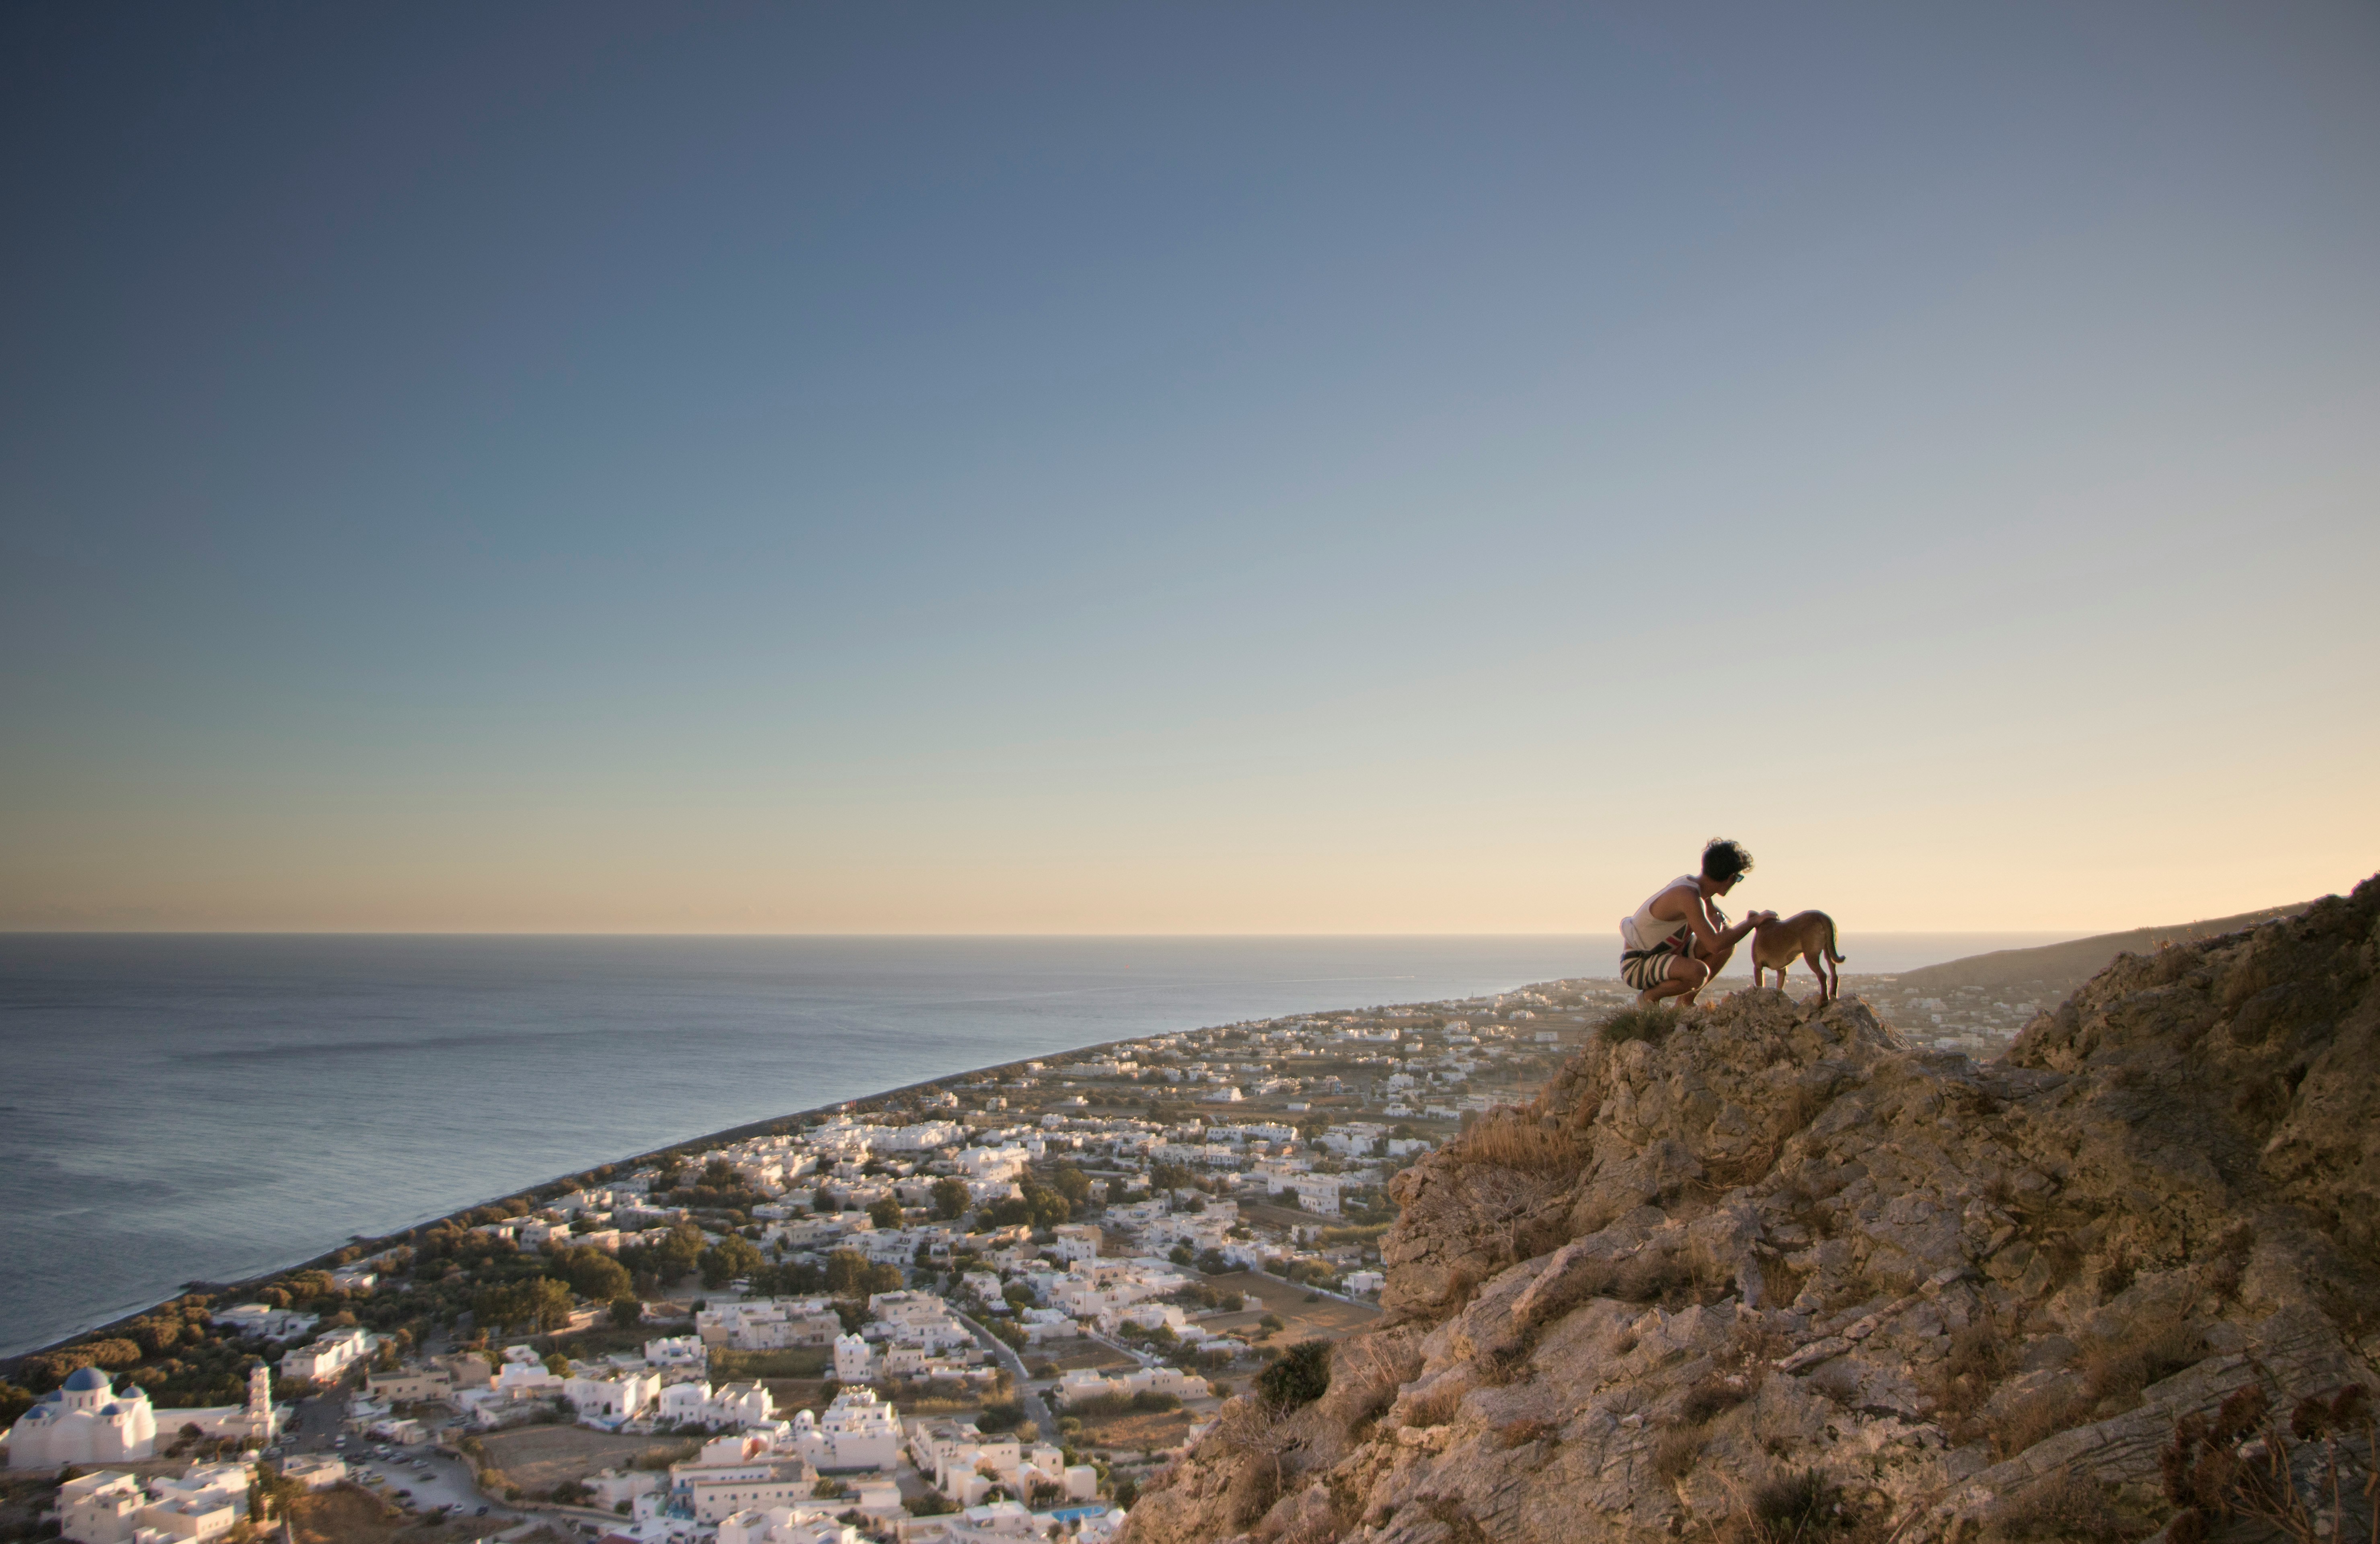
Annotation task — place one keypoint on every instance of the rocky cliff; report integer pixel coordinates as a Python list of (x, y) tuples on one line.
[(1769, 1274)]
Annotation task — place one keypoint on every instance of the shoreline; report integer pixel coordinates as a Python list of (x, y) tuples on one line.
[(12, 1363)]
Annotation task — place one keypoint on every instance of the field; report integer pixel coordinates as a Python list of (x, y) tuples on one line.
[(1326, 1319), (796, 1394), (1134, 1431), (1077, 1355), (347, 1514), (537, 1458), (797, 1361)]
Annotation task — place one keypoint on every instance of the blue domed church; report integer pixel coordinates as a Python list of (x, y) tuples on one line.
[(84, 1421)]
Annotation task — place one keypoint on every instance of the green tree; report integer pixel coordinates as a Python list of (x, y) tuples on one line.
[(950, 1199), (846, 1273), (627, 1312), (731, 1256), (1069, 1180), (885, 1213), (592, 1274), (669, 1260)]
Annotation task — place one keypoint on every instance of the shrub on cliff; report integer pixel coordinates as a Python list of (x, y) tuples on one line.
[(1301, 1377), (1650, 1025)]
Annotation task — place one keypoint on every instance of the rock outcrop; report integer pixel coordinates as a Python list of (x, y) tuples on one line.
[(1774, 1275)]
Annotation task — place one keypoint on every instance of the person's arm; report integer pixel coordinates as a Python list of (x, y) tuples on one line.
[(1702, 915)]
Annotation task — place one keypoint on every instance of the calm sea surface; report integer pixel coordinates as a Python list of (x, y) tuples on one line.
[(194, 1107)]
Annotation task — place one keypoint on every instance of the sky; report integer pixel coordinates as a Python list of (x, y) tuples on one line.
[(1217, 469)]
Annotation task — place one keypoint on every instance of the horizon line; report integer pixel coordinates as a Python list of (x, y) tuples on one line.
[(437, 933)]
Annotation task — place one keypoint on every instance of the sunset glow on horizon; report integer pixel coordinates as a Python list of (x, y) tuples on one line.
[(1284, 470)]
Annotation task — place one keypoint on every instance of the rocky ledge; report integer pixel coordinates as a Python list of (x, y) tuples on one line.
[(1766, 1273)]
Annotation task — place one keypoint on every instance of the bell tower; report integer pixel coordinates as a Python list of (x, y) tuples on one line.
[(259, 1400)]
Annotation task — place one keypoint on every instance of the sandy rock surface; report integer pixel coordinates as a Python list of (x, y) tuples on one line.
[(1775, 1275)]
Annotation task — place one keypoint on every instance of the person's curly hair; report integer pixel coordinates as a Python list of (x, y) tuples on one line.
[(1724, 860)]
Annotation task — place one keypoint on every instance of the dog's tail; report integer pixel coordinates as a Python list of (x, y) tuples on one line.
[(1830, 943)]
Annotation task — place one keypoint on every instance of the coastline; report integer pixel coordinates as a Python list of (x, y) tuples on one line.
[(321, 1256), (10, 1364)]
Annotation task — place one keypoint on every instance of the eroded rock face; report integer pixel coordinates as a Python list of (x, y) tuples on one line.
[(1781, 1241)]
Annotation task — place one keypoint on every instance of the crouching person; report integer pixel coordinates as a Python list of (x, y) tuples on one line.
[(1677, 940)]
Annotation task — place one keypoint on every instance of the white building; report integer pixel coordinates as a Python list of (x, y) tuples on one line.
[(118, 1507), (767, 1323), (328, 1358), (786, 1525), (257, 1321), (857, 1431), (736, 1404), (615, 1396), (679, 1351), (315, 1471), (739, 1474), (85, 1421), (102, 1508)]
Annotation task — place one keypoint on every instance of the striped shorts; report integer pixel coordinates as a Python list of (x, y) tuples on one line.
[(1647, 969)]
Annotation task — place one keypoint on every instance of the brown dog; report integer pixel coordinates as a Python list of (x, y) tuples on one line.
[(1810, 934)]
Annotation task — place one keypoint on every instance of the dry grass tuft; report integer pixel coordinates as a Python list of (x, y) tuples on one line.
[(2057, 1506), (1714, 1396), (1506, 1364), (1368, 1370), (1461, 1526), (1791, 1508), (2115, 1276), (1780, 1282), (1981, 1354), (1675, 1450), (1254, 1433), (1649, 1025), (2115, 1369), (1435, 1408), (1508, 1140), (1837, 1384), (2120, 1367), (1522, 1432)]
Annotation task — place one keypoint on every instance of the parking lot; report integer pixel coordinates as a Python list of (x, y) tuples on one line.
[(416, 1478)]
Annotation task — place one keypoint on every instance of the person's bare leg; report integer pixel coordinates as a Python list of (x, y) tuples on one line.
[(1660, 990), (1688, 976), (1710, 963)]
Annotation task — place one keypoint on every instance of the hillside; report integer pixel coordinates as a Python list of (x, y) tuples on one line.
[(1771, 1275), (2053, 970)]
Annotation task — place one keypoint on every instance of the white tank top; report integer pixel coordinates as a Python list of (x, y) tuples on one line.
[(1642, 930)]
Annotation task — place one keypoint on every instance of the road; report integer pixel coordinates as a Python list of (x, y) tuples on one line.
[(318, 1420), (1034, 1410)]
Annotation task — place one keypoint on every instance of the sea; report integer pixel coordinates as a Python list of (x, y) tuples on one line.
[(195, 1107)]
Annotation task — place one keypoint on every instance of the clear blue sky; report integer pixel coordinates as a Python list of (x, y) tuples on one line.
[(1203, 468)]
